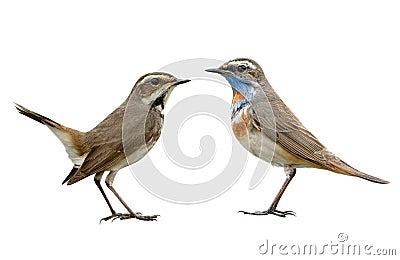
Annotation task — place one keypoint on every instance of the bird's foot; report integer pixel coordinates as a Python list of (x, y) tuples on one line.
[(136, 215), (112, 217), (275, 212)]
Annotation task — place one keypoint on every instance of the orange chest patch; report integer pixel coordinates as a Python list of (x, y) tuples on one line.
[(240, 125), (236, 97)]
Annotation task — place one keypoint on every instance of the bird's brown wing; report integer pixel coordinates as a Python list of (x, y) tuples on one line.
[(281, 125), (113, 139), (98, 160), (275, 120), (278, 123)]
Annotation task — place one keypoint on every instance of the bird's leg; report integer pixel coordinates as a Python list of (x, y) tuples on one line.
[(97, 179), (290, 173), (131, 214)]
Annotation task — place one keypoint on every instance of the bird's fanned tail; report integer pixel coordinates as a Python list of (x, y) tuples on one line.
[(70, 138)]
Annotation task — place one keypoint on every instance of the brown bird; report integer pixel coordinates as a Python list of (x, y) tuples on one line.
[(122, 138), (267, 128)]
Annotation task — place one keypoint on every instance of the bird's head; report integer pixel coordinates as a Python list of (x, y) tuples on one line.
[(242, 74), (155, 88)]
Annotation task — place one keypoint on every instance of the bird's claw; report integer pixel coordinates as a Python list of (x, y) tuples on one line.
[(112, 217), (275, 212), (138, 216), (283, 214), (123, 216)]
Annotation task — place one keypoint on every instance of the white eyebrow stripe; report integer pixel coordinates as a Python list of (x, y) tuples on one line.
[(247, 63), (251, 65)]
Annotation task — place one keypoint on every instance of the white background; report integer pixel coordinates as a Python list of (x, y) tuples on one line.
[(335, 64)]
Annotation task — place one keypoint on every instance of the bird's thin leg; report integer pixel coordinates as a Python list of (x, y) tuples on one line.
[(97, 179), (290, 173), (109, 181)]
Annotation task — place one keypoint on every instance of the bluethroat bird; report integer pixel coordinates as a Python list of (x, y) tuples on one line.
[(102, 148), (267, 128)]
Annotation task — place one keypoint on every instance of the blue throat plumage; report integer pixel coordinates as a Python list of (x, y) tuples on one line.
[(240, 85), (244, 87)]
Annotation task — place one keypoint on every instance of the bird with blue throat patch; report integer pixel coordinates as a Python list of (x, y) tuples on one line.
[(268, 129)]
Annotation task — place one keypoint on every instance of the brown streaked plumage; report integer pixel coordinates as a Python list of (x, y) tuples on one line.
[(107, 147), (273, 132)]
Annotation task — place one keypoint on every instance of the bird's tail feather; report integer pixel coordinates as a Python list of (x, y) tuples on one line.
[(72, 173), (342, 167), (71, 139)]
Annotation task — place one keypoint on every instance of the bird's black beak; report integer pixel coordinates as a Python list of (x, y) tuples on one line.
[(181, 81), (215, 70), (218, 71)]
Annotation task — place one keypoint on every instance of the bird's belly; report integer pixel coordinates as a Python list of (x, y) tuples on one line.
[(269, 151), (260, 145)]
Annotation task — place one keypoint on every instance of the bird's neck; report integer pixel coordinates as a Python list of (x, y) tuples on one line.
[(160, 101), (243, 87), (239, 102), (237, 97), (243, 91), (159, 104)]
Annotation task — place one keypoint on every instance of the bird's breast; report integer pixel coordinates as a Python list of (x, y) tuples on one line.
[(240, 123)]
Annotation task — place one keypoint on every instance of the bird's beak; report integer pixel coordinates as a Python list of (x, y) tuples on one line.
[(214, 70), (181, 81), (218, 71)]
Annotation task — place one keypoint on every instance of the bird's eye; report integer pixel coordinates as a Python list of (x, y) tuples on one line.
[(155, 81), (242, 68)]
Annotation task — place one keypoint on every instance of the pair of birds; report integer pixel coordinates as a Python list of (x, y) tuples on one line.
[(260, 120)]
